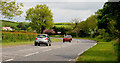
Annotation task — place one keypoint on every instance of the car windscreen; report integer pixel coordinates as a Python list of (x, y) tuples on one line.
[(66, 37), (41, 36)]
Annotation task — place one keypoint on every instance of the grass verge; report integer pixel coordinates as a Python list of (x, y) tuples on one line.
[(56, 40), (4, 44), (103, 51)]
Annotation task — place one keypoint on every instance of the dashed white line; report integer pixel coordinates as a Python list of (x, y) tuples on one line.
[(25, 50), (47, 50), (70, 60), (31, 54), (9, 60)]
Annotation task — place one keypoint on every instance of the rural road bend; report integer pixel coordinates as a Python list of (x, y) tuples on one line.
[(59, 51)]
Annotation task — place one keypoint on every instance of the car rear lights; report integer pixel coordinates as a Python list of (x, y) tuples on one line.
[(46, 38), (36, 38)]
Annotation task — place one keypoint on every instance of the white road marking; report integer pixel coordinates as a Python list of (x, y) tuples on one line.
[(9, 60), (47, 50), (25, 50), (86, 49), (70, 60), (80, 53), (31, 54)]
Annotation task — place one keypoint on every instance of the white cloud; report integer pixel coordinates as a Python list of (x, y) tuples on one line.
[(65, 11), (62, 0)]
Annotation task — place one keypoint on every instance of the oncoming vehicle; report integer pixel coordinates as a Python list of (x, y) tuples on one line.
[(42, 39), (67, 38), (70, 36)]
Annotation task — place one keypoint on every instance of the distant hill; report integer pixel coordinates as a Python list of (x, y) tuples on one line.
[(14, 24), (9, 23)]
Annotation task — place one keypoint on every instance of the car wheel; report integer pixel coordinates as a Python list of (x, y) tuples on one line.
[(49, 44), (63, 41), (38, 44), (35, 44), (46, 44), (70, 41)]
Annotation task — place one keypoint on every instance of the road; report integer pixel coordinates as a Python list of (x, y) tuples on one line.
[(59, 51)]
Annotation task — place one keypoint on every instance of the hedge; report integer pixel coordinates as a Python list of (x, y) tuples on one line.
[(14, 37)]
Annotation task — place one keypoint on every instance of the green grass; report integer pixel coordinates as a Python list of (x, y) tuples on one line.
[(56, 40), (9, 23), (16, 43), (4, 44), (103, 51)]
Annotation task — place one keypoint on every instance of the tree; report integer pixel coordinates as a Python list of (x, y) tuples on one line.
[(23, 25), (40, 17), (110, 12), (75, 21), (10, 9), (88, 27)]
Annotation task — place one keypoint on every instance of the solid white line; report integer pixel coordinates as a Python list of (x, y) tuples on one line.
[(80, 53), (31, 54), (9, 60), (86, 49)]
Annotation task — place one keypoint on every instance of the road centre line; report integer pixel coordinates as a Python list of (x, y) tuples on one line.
[(31, 54), (25, 50), (9, 60), (47, 50), (70, 60)]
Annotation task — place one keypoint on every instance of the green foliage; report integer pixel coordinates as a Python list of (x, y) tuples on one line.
[(23, 25), (110, 12), (60, 29), (14, 37), (10, 9), (41, 18), (87, 27)]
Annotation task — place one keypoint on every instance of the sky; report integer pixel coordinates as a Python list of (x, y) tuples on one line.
[(63, 10)]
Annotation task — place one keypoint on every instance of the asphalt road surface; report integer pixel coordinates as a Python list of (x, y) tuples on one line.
[(59, 51)]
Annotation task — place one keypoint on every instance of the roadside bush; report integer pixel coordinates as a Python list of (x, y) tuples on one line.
[(99, 37), (14, 37)]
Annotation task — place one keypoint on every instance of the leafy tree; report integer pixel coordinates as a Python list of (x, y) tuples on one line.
[(23, 25), (41, 18), (75, 21), (110, 12), (88, 27), (10, 9)]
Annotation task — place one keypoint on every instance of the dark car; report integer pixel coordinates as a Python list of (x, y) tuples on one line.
[(67, 39), (42, 39)]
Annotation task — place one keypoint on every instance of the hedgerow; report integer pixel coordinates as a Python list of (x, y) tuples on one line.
[(14, 37)]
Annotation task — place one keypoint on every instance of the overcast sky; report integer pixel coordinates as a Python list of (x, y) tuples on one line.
[(64, 10)]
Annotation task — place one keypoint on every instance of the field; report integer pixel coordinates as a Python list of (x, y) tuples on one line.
[(66, 25), (9, 23), (14, 24)]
